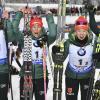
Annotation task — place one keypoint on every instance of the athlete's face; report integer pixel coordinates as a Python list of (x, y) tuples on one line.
[(81, 34), (36, 30)]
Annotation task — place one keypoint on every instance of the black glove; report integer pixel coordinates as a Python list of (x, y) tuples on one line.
[(96, 56), (42, 40), (55, 49), (40, 43), (14, 43), (91, 8)]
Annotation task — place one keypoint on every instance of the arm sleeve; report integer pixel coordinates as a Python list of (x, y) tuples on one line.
[(52, 27), (17, 33), (93, 24)]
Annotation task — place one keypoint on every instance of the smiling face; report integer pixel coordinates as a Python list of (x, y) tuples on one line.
[(81, 34)]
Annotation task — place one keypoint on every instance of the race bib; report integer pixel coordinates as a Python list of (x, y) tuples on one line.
[(80, 58)]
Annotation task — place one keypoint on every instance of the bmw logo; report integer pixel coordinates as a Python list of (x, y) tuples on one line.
[(81, 52)]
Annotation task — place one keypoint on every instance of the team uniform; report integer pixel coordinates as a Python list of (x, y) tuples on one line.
[(5, 38), (37, 55), (80, 66)]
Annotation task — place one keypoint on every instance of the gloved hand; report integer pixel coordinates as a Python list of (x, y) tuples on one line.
[(55, 49), (96, 56), (42, 40), (91, 8), (14, 43), (39, 43)]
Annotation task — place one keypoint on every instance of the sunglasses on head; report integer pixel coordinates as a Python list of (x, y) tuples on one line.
[(81, 23)]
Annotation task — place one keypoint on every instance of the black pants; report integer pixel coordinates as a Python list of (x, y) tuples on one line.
[(38, 88), (72, 87), (4, 80)]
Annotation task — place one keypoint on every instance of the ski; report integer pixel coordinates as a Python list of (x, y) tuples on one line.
[(96, 87), (58, 57), (27, 55)]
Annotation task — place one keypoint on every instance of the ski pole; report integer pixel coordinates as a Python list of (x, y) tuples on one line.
[(44, 68)]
